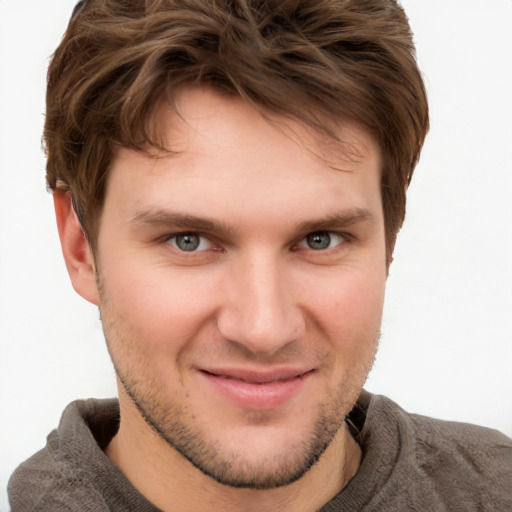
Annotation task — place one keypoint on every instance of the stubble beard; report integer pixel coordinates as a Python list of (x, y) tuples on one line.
[(235, 469), (176, 426)]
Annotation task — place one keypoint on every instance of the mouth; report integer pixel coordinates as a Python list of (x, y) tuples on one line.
[(255, 390)]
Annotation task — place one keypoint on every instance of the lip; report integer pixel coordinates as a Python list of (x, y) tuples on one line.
[(261, 390)]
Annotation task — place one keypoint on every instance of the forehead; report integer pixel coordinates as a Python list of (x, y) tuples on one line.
[(199, 116), (224, 150)]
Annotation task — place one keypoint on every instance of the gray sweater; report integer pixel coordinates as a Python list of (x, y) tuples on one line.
[(410, 463)]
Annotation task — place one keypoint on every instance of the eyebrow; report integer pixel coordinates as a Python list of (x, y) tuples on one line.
[(343, 219), (164, 218)]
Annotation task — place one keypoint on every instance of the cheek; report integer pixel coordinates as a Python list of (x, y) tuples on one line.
[(155, 307), (350, 308)]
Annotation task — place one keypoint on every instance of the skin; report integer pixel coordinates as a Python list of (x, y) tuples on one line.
[(259, 298)]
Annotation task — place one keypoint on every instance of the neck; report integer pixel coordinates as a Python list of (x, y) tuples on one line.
[(170, 482)]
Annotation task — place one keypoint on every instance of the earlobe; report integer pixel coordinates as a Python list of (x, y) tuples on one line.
[(75, 248)]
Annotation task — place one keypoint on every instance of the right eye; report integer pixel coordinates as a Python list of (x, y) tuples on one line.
[(189, 242)]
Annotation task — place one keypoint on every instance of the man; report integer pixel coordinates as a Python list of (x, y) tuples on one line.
[(229, 179)]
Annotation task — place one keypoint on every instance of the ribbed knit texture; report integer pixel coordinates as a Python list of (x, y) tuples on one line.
[(410, 463)]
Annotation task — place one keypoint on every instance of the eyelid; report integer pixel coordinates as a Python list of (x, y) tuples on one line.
[(345, 237), (172, 236)]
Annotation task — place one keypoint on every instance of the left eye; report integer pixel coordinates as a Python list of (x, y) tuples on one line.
[(189, 242), (321, 240)]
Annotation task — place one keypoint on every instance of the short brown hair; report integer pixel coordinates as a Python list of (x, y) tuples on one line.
[(309, 59)]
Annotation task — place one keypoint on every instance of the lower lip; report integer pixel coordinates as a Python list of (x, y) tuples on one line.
[(257, 396)]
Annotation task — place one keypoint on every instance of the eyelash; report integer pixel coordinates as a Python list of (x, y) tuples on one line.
[(345, 238), (169, 238)]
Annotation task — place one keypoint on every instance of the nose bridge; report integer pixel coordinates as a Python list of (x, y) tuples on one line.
[(262, 312)]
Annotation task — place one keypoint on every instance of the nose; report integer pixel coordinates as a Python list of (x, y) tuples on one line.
[(261, 311)]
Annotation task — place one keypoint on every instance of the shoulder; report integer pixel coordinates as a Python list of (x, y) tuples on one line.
[(451, 434), (462, 466), (58, 477), (72, 473), (469, 452), (465, 443), (44, 483)]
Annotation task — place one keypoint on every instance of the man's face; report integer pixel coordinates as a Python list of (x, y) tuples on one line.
[(241, 286)]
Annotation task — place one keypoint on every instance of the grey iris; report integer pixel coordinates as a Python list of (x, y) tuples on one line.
[(319, 240), (188, 242)]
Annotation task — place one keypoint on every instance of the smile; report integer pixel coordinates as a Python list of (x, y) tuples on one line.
[(257, 390)]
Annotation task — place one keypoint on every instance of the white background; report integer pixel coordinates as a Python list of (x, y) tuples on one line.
[(446, 349)]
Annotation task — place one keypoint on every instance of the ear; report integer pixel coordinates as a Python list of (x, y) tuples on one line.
[(75, 248)]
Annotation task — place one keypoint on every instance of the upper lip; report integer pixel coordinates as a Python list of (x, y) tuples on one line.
[(258, 376)]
